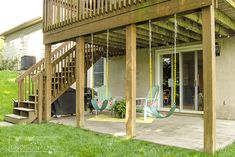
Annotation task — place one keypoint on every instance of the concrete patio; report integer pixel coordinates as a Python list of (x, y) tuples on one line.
[(179, 131)]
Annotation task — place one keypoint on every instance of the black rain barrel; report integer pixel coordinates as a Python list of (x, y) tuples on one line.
[(27, 62)]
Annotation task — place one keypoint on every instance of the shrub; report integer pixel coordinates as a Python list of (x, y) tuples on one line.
[(9, 64), (119, 108)]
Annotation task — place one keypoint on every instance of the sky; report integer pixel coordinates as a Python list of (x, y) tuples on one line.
[(15, 12)]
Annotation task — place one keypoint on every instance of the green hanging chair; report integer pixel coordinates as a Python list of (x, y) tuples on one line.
[(106, 102), (151, 109)]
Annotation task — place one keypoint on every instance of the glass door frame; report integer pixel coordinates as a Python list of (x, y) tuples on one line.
[(159, 75)]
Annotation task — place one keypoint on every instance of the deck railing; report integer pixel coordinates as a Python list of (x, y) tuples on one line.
[(60, 13)]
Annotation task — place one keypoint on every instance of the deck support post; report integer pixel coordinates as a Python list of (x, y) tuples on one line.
[(48, 88), (131, 80), (209, 78), (79, 74)]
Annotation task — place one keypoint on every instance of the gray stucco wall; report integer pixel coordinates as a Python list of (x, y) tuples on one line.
[(117, 75), (225, 77), (225, 81)]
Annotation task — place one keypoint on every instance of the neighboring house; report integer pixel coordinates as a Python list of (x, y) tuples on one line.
[(25, 39)]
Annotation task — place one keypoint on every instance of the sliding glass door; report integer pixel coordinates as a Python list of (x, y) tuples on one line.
[(189, 78)]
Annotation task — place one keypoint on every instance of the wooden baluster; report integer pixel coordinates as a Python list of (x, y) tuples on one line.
[(106, 6), (115, 4), (83, 5), (59, 80), (25, 88), (54, 80), (87, 8), (40, 97), (65, 11), (44, 16), (67, 70), (58, 13), (49, 14), (124, 3), (129, 2), (111, 5), (31, 83), (119, 4), (102, 6), (94, 8), (71, 66), (98, 7), (91, 3), (62, 72), (79, 9), (53, 14), (62, 11), (70, 10), (21, 91)]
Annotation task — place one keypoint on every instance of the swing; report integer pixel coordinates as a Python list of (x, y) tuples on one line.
[(153, 110), (103, 100)]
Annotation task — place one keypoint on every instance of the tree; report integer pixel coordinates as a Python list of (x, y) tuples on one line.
[(1, 50)]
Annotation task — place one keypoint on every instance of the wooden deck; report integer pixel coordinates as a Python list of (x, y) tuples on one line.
[(68, 23)]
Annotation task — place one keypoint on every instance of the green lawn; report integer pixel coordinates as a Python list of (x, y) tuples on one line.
[(64, 141), (8, 91)]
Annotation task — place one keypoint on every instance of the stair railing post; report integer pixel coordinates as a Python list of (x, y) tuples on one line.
[(40, 97), (48, 86), (21, 91)]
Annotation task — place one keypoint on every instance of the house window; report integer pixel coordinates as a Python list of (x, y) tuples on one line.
[(99, 73)]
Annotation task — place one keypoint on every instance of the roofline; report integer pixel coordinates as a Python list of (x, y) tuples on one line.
[(22, 26)]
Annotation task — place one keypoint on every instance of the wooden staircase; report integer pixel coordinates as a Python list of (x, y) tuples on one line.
[(31, 84)]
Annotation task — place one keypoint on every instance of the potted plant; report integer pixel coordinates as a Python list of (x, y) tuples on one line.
[(119, 108)]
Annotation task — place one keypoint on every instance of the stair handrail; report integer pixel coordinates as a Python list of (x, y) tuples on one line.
[(41, 62), (26, 85)]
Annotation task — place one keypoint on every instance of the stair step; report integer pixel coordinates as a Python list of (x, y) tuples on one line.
[(12, 118), (24, 109), (27, 102)]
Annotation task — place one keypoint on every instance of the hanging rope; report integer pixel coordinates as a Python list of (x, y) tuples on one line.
[(92, 65), (150, 62), (107, 65), (175, 60)]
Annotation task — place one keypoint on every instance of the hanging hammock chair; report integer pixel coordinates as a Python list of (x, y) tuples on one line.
[(104, 99), (150, 106)]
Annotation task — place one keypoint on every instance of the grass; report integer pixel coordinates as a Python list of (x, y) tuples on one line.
[(8, 91), (65, 141)]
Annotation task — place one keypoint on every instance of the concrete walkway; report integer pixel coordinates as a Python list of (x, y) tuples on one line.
[(2, 124), (179, 131)]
